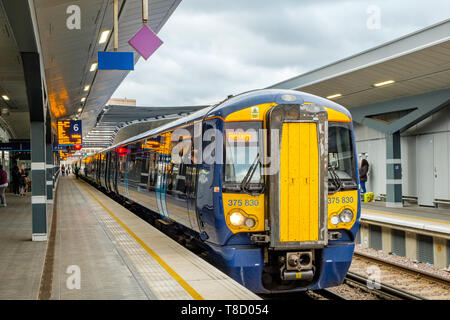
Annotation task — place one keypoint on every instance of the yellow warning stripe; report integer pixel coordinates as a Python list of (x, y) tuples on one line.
[(404, 216), (163, 264)]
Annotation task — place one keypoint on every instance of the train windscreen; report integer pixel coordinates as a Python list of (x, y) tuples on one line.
[(242, 168), (340, 156)]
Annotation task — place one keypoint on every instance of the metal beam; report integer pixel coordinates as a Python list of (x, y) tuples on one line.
[(425, 104)]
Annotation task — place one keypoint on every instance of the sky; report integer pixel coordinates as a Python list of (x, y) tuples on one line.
[(216, 48)]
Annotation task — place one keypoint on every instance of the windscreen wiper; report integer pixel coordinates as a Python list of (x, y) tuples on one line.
[(335, 180), (248, 177)]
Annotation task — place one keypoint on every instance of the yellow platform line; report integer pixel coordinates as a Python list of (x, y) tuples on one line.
[(404, 216), (194, 294)]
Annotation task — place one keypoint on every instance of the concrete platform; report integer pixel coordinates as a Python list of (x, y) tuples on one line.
[(21, 260), (119, 256), (412, 216)]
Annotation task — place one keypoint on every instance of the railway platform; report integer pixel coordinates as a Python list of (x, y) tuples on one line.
[(97, 249), (419, 233), (414, 216)]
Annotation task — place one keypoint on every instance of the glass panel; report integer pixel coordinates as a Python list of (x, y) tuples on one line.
[(241, 152), (340, 151)]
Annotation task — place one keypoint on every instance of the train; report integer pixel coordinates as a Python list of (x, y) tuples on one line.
[(266, 180)]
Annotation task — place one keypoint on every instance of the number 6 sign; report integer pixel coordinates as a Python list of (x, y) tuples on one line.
[(75, 127)]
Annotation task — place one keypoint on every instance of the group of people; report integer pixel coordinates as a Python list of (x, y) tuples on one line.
[(19, 182), (65, 171)]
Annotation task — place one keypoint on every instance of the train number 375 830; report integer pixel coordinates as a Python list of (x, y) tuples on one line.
[(246, 203), (338, 200)]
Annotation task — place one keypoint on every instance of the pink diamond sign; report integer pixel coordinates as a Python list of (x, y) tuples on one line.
[(145, 41)]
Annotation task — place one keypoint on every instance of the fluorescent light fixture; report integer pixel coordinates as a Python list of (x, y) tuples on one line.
[(337, 95), (83, 99), (384, 83), (86, 88), (104, 36), (5, 97), (93, 66)]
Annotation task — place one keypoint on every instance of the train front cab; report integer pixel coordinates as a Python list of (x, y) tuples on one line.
[(293, 227)]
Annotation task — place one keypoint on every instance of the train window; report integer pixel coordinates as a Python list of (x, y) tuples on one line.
[(340, 152), (242, 169)]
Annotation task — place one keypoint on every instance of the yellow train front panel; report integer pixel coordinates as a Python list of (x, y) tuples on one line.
[(299, 182), (339, 201), (251, 206)]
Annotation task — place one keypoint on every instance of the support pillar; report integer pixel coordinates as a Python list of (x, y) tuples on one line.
[(394, 195), (38, 182), (49, 172)]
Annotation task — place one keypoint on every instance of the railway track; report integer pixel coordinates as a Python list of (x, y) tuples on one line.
[(382, 291), (397, 281)]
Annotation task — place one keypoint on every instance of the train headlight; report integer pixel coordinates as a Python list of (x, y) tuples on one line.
[(249, 222), (346, 216), (335, 220), (237, 219)]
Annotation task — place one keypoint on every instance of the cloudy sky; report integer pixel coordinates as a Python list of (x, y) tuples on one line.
[(215, 48)]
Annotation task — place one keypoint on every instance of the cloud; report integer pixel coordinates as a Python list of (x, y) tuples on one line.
[(215, 48)]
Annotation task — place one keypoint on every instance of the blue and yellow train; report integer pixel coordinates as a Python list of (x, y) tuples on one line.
[(266, 180)]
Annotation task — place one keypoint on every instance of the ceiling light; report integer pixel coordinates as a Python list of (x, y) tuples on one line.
[(337, 95), (104, 36), (5, 97), (86, 88), (79, 110), (93, 66), (384, 83), (83, 99)]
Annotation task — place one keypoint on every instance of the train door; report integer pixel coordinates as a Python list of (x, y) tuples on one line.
[(161, 185), (191, 175), (113, 174), (107, 171), (191, 178), (152, 180)]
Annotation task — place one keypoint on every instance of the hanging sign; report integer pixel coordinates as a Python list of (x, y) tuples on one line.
[(69, 132), (115, 60), (145, 41)]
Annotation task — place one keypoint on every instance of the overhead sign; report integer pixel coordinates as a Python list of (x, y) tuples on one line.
[(115, 60), (69, 132), (145, 41), (15, 146), (75, 129)]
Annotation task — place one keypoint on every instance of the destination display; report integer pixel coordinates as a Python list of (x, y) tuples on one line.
[(69, 132)]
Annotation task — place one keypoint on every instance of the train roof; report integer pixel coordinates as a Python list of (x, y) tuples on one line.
[(238, 102)]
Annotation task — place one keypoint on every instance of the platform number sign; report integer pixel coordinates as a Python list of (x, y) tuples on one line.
[(75, 127)]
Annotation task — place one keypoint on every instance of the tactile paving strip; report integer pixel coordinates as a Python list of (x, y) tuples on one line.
[(162, 284)]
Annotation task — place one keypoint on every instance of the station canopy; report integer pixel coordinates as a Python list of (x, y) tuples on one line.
[(74, 89), (417, 63), (114, 118)]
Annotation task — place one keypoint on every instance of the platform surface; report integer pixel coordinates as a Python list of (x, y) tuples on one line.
[(120, 256), (413, 216), (21, 260)]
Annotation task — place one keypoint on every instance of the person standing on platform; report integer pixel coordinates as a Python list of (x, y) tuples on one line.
[(63, 170), (3, 185), (76, 171), (15, 180), (23, 177), (363, 170)]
